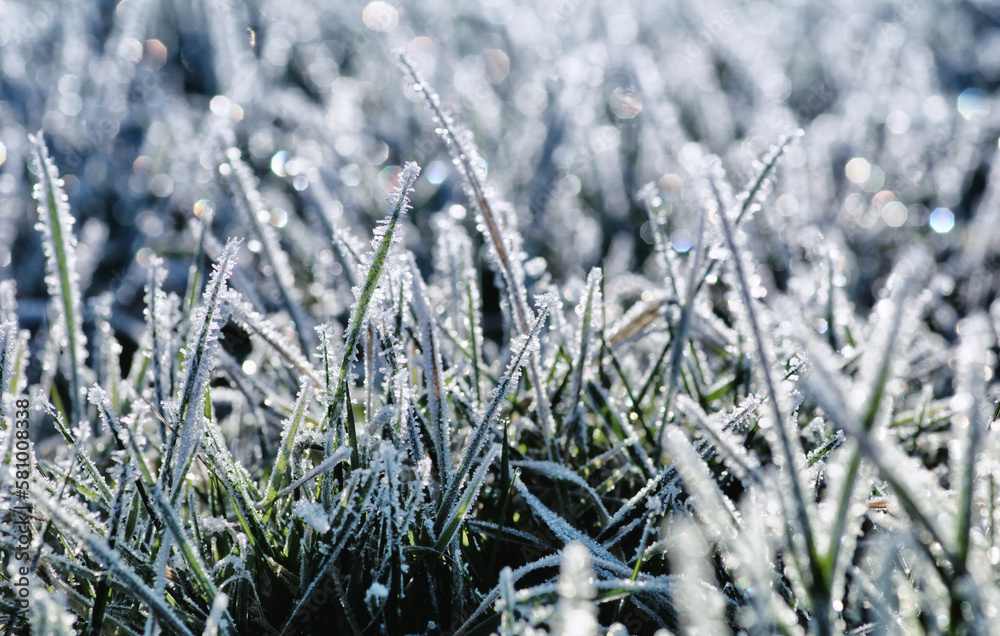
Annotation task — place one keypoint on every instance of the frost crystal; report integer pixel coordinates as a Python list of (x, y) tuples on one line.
[(8, 344), (575, 614), (62, 277), (199, 361), (312, 513), (49, 613), (376, 595)]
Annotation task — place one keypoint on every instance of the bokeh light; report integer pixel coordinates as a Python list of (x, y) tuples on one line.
[(942, 220)]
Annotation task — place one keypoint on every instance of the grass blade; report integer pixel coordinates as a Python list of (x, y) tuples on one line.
[(385, 239), (56, 225)]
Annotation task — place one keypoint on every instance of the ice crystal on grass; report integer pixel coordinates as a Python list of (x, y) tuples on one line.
[(50, 613), (462, 296), (216, 616), (479, 434), (8, 300), (433, 377), (8, 348), (157, 313), (769, 413), (575, 614), (288, 433), (62, 278), (589, 311), (383, 245), (260, 327), (312, 513), (715, 509), (115, 563), (199, 361), (703, 603), (563, 530), (251, 206), (496, 223)]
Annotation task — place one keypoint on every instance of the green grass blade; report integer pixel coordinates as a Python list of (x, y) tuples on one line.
[(61, 276), (287, 443), (385, 239)]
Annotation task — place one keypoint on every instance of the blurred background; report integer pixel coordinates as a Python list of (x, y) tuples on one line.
[(574, 105)]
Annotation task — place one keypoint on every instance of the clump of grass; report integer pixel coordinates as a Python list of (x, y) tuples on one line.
[(307, 436)]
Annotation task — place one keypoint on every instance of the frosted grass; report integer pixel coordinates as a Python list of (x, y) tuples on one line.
[(62, 278), (755, 396), (382, 244)]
